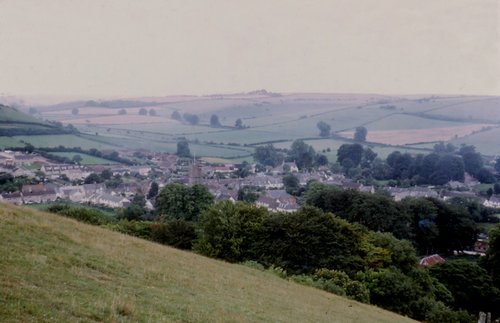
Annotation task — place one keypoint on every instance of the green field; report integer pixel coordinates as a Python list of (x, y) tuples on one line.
[(53, 141), (54, 269), (86, 159)]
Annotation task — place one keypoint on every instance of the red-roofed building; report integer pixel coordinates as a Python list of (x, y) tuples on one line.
[(431, 260)]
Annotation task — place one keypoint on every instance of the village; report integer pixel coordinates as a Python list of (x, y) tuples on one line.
[(50, 181)]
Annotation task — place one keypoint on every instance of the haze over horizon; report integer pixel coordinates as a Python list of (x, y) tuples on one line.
[(158, 48)]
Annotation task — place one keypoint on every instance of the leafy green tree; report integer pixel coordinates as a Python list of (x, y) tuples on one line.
[(320, 160), (402, 254), (143, 112), (471, 286), (177, 201), (228, 231), (485, 176), (267, 155), (152, 112), (401, 165), (473, 161), (176, 115), (122, 112), (456, 229), (492, 260), (441, 148), (247, 194), (497, 165), (423, 221), (352, 152), (324, 129), (77, 159), (183, 149), (153, 190), (302, 153), (106, 174), (360, 134), (244, 170), (93, 178), (191, 118), (75, 111), (309, 239), (238, 123), (292, 185), (214, 121), (176, 233)]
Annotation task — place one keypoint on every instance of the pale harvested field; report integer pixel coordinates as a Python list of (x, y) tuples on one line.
[(412, 136), (119, 119)]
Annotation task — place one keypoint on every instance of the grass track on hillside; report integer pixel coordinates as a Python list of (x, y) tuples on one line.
[(56, 269)]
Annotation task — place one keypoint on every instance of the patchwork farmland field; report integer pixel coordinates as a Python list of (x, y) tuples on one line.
[(412, 136), (86, 159), (271, 118)]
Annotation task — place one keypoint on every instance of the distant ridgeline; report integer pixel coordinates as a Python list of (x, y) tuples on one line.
[(15, 123)]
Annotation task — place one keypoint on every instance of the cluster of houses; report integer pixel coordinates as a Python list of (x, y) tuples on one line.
[(46, 192), (219, 179)]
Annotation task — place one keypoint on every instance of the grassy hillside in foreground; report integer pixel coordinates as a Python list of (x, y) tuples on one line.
[(56, 269)]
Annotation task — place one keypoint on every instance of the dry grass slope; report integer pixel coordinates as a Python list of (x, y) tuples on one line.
[(54, 269)]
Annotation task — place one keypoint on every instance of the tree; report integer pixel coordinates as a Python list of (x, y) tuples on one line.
[(176, 201), (183, 149), (214, 121), (441, 148), (228, 231), (238, 123), (497, 165), (267, 155), (360, 134), (176, 115), (191, 118), (309, 239), (244, 170), (152, 112), (75, 111), (485, 176), (33, 111), (473, 161), (143, 112), (106, 174), (122, 112), (247, 194), (492, 259), (324, 129), (470, 285), (292, 184), (153, 190), (93, 178), (400, 164), (176, 233), (77, 159), (302, 153), (353, 152)]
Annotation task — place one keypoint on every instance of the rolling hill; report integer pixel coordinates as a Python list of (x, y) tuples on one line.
[(402, 123), (56, 269), (14, 123)]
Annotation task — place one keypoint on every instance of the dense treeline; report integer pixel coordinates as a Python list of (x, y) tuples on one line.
[(444, 164), (432, 225)]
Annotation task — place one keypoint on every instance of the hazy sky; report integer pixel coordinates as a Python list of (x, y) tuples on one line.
[(158, 47)]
